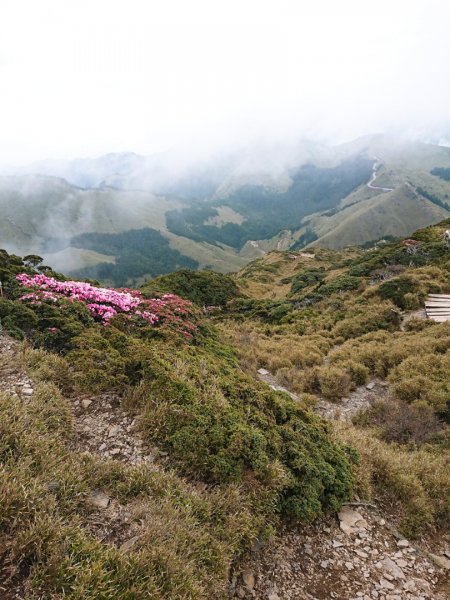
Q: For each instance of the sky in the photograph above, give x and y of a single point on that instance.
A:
(87, 77)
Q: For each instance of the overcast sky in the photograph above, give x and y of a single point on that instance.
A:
(86, 77)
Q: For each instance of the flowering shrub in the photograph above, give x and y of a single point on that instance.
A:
(104, 303)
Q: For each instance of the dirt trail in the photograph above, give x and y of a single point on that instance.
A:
(361, 398)
(356, 555)
(374, 176)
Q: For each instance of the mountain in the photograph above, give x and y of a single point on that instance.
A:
(222, 211)
(185, 439)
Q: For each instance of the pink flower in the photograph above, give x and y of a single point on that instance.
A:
(105, 303)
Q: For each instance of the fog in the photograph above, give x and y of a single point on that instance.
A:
(88, 77)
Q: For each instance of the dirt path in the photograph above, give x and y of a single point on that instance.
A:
(370, 185)
(361, 398)
(356, 555)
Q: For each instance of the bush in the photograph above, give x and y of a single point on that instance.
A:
(403, 423)
(219, 425)
(205, 288)
(334, 383)
(400, 291)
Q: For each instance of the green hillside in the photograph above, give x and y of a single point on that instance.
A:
(217, 459)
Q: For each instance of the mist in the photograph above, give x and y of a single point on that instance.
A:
(89, 78)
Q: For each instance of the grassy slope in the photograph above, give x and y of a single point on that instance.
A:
(240, 455)
(325, 342)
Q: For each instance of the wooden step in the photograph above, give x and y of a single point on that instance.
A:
(437, 304)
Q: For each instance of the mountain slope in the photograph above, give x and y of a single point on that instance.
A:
(225, 211)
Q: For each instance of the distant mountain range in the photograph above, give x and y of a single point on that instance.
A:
(123, 218)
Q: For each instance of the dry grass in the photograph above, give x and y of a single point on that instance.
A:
(415, 482)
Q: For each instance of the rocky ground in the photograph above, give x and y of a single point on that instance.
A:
(356, 556)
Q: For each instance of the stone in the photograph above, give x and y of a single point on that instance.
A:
(86, 403)
(249, 579)
(113, 430)
(27, 391)
(440, 561)
(390, 568)
(98, 499)
(337, 544)
(386, 585)
(401, 563)
(351, 520)
(370, 385)
(130, 543)
(273, 596)
(263, 372)
(417, 585)
(403, 543)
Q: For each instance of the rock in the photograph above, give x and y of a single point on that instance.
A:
(403, 543)
(86, 403)
(263, 372)
(337, 544)
(370, 385)
(386, 585)
(440, 561)
(401, 563)
(98, 499)
(130, 543)
(273, 597)
(27, 391)
(249, 579)
(113, 430)
(417, 585)
(390, 568)
(351, 520)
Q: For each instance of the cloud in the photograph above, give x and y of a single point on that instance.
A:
(88, 77)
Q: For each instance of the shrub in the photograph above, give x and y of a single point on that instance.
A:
(400, 291)
(335, 383)
(202, 287)
(403, 423)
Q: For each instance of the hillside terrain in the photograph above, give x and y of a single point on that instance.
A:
(123, 219)
(279, 433)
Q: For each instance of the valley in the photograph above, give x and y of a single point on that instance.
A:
(221, 215)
